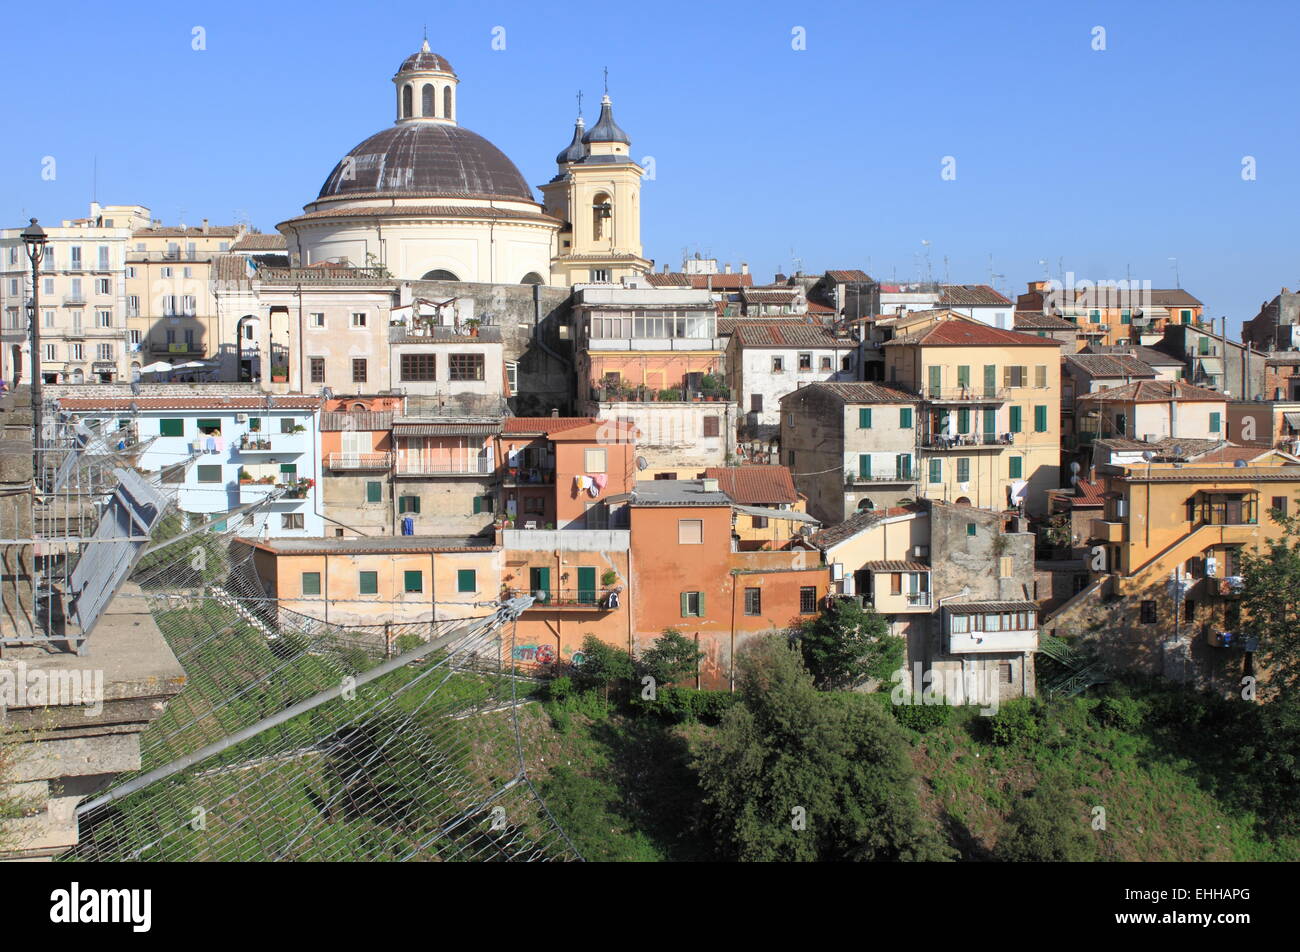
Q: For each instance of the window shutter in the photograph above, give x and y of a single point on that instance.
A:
(864, 418)
(1015, 419)
(1006, 376)
(478, 505)
(864, 465)
(702, 611)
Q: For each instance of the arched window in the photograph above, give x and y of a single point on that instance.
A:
(406, 101)
(532, 277)
(866, 505)
(427, 100)
(446, 103)
(601, 212)
(439, 275)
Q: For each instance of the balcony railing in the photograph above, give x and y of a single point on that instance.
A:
(964, 394)
(918, 599)
(965, 441)
(420, 466)
(1230, 587)
(528, 476)
(74, 300)
(594, 599)
(881, 476)
(360, 461)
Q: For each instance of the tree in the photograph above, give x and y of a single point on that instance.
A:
(847, 643)
(603, 664)
(1270, 595)
(795, 774)
(1049, 826)
(673, 657)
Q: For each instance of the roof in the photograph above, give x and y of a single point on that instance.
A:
(1088, 493)
(1038, 321)
(718, 282)
(787, 334)
(974, 608)
(769, 295)
(959, 333)
(378, 545)
(1164, 447)
(424, 58)
(268, 403)
(769, 513)
(859, 522)
(606, 129)
(229, 268)
(1109, 295)
(676, 492)
(423, 211)
(851, 275)
(755, 485)
(445, 429)
(859, 392)
(1110, 365)
(1154, 391)
(971, 294)
(429, 158)
(1220, 474)
(1148, 355)
(1230, 453)
(887, 566)
(530, 425)
(189, 231)
(260, 243)
(332, 420)
(815, 308)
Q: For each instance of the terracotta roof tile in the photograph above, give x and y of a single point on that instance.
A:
(1154, 391)
(860, 392)
(755, 485)
(282, 402)
(971, 294)
(787, 334)
(260, 243)
(1110, 365)
(964, 333)
(852, 274)
(522, 425)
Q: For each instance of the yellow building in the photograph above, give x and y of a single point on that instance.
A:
(989, 428)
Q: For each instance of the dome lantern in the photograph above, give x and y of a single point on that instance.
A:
(426, 88)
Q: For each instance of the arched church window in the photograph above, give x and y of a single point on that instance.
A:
(601, 212)
(446, 102)
(427, 100)
(532, 277)
(406, 101)
(439, 275)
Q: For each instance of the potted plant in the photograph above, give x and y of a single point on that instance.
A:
(472, 325)
(609, 578)
(243, 476)
(280, 373)
(298, 428)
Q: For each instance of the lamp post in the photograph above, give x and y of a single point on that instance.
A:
(34, 239)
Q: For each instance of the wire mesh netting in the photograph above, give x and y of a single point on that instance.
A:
(295, 739)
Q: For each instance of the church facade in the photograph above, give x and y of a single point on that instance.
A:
(428, 200)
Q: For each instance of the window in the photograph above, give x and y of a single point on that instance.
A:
(598, 275)
(1015, 467)
(465, 366)
(1148, 612)
(374, 492)
(904, 466)
(1189, 610)
(1279, 503)
(864, 418)
(864, 465)
(209, 474)
(51, 352)
(1186, 316)
(970, 529)
(778, 365)
(358, 319)
(1004, 672)
(755, 403)
(905, 418)
(103, 351)
(484, 504)
(317, 365)
(413, 581)
(1040, 419)
(419, 367)
(789, 458)
(292, 520)
(936, 471)
(826, 364)
(76, 259)
(807, 599)
(1006, 566)
(512, 375)
(1040, 377)
(78, 351)
(368, 583)
(1014, 376)
(692, 604)
(753, 601)
(758, 522)
(534, 504)
(1016, 424)
(317, 319)
(963, 469)
(690, 531)
(210, 427)
(963, 378)
(1216, 422)
(805, 361)
(358, 370)
(408, 503)
(311, 583)
(287, 424)
(102, 286)
(1126, 317)
(466, 580)
(593, 461)
(711, 426)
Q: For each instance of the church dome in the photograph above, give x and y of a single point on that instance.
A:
(427, 159)
(424, 58)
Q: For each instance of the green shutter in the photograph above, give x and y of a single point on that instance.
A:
(963, 420)
(936, 470)
(374, 492)
(1125, 317)
(171, 427)
(1015, 420)
(539, 580)
(963, 377)
(290, 469)
(1215, 422)
(1015, 467)
(208, 424)
(990, 424)
(311, 583)
(864, 465)
(369, 583)
(970, 528)
(478, 505)
(864, 418)
(905, 418)
(905, 465)
(963, 469)
(466, 580)
(703, 611)
(683, 606)
(587, 585)
(1040, 419)
(936, 379)
(413, 581)
(990, 380)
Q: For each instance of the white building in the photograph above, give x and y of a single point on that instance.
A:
(766, 360)
(220, 450)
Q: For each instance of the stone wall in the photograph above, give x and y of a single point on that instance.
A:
(16, 471)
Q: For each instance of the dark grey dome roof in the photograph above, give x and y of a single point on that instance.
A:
(425, 59)
(606, 129)
(575, 151)
(433, 158)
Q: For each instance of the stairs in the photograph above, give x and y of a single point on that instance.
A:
(1081, 671)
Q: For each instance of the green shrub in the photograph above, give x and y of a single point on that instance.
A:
(1122, 713)
(1015, 722)
(922, 717)
(557, 689)
(687, 705)
(1049, 826)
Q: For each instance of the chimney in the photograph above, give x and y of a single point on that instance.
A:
(205, 226)
(708, 485)
(665, 268)
(744, 267)
(555, 412)
(726, 268)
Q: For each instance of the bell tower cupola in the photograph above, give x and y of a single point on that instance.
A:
(426, 88)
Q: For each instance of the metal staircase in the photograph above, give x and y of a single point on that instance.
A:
(1081, 671)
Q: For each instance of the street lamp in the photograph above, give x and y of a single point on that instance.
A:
(34, 239)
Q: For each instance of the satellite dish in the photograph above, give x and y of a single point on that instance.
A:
(1148, 455)
(1238, 464)
(1178, 449)
(641, 462)
(1074, 467)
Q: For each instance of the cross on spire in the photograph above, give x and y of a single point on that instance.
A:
(579, 103)
(606, 80)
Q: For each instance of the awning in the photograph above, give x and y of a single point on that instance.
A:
(444, 429)
(775, 513)
(1292, 420)
(896, 567)
(975, 608)
(1211, 365)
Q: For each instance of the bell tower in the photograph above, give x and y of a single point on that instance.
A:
(426, 88)
(597, 194)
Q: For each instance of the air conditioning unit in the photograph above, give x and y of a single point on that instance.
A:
(921, 552)
(837, 571)
(241, 417)
(1149, 437)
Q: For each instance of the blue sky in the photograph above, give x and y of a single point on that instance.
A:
(1110, 162)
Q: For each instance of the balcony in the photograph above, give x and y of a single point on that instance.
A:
(287, 444)
(435, 466)
(968, 395)
(1103, 530)
(528, 476)
(74, 300)
(359, 461)
(1093, 330)
(879, 476)
(991, 628)
(577, 600)
(291, 493)
(966, 441)
(1230, 587)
